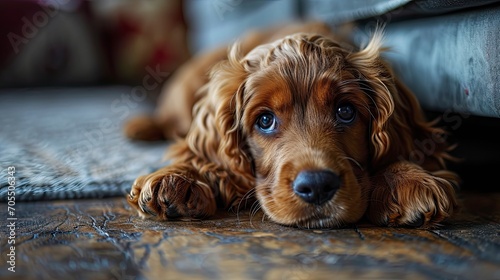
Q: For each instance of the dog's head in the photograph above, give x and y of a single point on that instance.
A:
(307, 121)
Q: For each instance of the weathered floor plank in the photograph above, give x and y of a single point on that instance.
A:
(104, 239)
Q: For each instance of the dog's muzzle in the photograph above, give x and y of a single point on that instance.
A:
(316, 186)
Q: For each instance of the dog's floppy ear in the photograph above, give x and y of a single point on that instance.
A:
(226, 90)
(215, 135)
(399, 130)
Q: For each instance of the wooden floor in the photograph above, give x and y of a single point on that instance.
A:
(104, 239)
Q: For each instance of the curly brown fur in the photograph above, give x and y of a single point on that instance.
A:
(323, 135)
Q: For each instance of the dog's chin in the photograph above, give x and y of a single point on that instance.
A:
(330, 215)
(314, 223)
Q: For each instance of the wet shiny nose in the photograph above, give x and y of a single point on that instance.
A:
(316, 187)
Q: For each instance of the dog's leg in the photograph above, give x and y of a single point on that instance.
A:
(404, 194)
(172, 192)
(189, 188)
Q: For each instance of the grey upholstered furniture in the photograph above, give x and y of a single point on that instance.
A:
(447, 51)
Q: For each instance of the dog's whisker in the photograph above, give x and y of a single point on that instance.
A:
(256, 207)
(245, 197)
(352, 160)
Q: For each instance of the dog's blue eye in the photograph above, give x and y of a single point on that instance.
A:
(266, 122)
(346, 113)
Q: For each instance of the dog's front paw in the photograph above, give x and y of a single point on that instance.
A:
(407, 195)
(172, 193)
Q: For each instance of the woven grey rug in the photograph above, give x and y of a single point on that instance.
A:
(67, 143)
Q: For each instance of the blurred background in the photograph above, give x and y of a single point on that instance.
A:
(77, 42)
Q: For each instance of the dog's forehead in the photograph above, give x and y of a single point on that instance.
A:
(295, 48)
(295, 71)
(269, 89)
(281, 92)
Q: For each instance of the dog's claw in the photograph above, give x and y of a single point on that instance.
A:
(172, 212)
(418, 222)
(147, 210)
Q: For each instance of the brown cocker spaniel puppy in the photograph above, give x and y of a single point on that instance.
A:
(320, 133)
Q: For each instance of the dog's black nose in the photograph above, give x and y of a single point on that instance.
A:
(316, 187)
